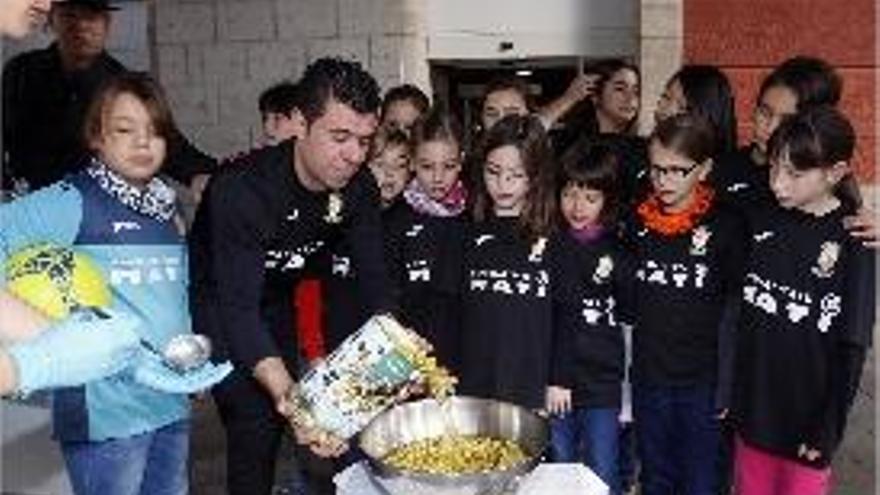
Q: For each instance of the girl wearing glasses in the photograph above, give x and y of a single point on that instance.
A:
(688, 255)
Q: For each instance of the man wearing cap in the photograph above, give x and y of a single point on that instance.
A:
(46, 93)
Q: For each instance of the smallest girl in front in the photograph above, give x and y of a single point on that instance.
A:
(507, 306)
(423, 236)
(589, 284)
(809, 304)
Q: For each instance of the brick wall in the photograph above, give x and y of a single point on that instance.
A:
(746, 42)
(756, 35)
(661, 41)
(215, 56)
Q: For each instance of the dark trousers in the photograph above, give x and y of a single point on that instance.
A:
(678, 438)
(253, 434)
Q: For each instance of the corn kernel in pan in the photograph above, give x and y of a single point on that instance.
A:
(457, 455)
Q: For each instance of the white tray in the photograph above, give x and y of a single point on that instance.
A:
(546, 479)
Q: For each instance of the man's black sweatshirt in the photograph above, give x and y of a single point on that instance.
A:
(253, 234)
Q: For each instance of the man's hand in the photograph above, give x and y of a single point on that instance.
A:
(271, 373)
(321, 442)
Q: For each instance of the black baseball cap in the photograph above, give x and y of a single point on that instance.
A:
(96, 5)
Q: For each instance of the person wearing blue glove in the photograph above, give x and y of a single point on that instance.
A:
(155, 372)
(77, 350)
(85, 347)
(128, 433)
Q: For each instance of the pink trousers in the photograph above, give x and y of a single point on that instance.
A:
(758, 472)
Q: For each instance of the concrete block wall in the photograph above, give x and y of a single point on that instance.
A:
(747, 46)
(661, 49)
(214, 57)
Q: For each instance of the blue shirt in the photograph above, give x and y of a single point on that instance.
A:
(144, 261)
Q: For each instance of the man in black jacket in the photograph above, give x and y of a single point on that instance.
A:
(262, 217)
(46, 94)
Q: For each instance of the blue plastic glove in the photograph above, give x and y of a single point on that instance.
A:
(151, 371)
(82, 348)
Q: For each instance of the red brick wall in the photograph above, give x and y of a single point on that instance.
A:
(746, 41)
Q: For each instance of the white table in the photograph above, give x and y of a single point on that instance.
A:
(546, 479)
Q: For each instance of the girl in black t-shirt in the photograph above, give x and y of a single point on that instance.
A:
(688, 253)
(807, 313)
(506, 300)
(423, 237)
(590, 281)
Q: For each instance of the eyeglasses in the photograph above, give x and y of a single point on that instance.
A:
(674, 171)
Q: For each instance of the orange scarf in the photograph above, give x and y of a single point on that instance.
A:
(670, 224)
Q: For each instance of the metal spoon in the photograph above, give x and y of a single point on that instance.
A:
(183, 352)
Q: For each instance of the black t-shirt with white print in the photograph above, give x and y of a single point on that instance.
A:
(592, 285)
(424, 255)
(686, 292)
(507, 314)
(344, 311)
(254, 231)
(807, 316)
